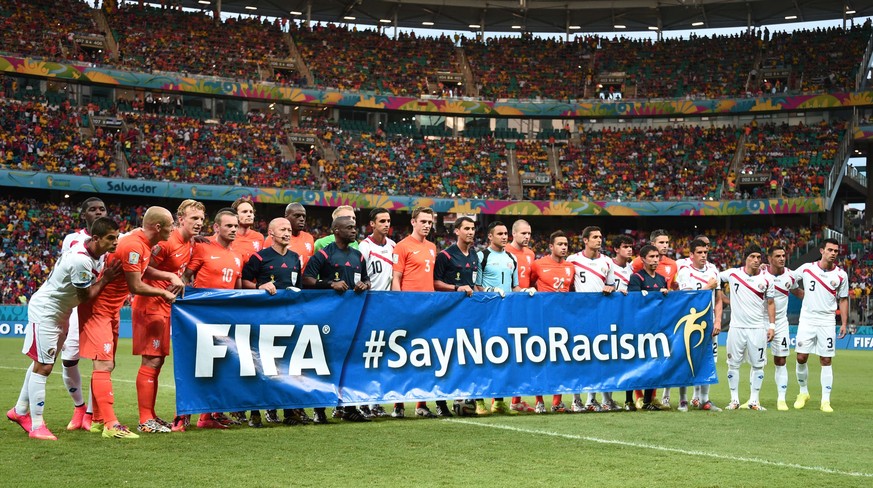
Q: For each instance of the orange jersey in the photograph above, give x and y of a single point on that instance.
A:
(216, 266)
(134, 251)
(550, 275)
(666, 268)
(525, 259)
(247, 244)
(171, 255)
(303, 245)
(416, 260)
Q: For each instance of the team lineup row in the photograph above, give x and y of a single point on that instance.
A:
(78, 307)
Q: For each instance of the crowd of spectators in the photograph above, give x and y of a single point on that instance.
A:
(230, 153)
(168, 39)
(352, 59)
(46, 28)
(796, 158)
(669, 163)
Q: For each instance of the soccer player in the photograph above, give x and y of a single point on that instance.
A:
(620, 272)
(498, 272)
(91, 209)
(301, 241)
(377, 249)
(456, 266)
(248, 241)
(341, 211)
(101, 316)
(666, 265)
(645, 281)
(339, 267)
(216, 265)
(72, 281)
(826, 289)
(752, 308)
(784, 282)
(151, 314)
(270, 269)
(520, 249)
(591, 268)
(414, 261)
(697, 274)
(550, 273)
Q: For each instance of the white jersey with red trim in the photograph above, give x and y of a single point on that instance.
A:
(591, 274)
(380, 266)
(54, 301)
(749, 295)
(822, 291)
(690, 278)
(782, 286)
(619, 276)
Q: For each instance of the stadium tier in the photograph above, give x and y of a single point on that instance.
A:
(144, 38)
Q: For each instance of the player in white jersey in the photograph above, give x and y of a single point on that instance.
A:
(71, 282)
(377, 249)
(784, 282)
(697, 274)
(752, 309)
(591, 270)
(620, 271)
(687, 261)
(826, 289)
(91, 209)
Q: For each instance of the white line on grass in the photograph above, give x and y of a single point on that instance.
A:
(819, 469)
(119, 380)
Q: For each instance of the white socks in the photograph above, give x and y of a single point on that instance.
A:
(36, 391)
(781, 382)
(23, 403)
(73, 383)
(827, 382)
(757, 379)
(734, 384)
(802, 374)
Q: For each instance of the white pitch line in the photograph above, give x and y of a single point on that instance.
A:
(119, 380)
(818, 469)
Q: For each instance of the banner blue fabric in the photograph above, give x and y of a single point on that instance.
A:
(239, 350)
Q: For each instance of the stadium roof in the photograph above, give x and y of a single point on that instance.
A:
(552, 16)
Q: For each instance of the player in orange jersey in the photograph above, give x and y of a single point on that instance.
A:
(151, 315)
(217, 265)
(301, 241)
(100, 317)
(248, 241)
(552, 273)
(414, 262)
(520, 249)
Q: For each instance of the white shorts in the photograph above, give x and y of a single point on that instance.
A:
(820, 341)
(747, 344)
(41, 342)
(780, 346)
(70, 349)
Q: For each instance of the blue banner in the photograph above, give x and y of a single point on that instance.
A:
(243, 349)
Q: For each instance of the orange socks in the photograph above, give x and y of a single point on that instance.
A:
(101, 385)
(146, 392)
(556, 399)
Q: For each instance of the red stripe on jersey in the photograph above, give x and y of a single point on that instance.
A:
(622, 278)
(756, 292)
(698, 278)
(33, 351)
(780, 290)
(829, 289)
(379, 256)
(595, 273)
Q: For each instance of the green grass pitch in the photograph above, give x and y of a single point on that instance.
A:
(740, 448)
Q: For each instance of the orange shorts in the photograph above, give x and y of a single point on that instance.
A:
(151, 334)
(98, 337)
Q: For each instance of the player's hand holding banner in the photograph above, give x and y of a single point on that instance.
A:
(240, 350)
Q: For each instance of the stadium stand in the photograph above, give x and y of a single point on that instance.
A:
(45, 28)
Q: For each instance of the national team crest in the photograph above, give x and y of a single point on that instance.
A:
(308, 246)
(107, 347)
(431, 253)
(156, 343)
(236, 260)
(567, 271)
(668, 268)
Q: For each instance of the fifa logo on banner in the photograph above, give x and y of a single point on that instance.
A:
(689, 326)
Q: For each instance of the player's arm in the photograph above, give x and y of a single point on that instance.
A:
(395, 280)
(716, 314)
(364, 284)
(771, 316)
(176, 283)
(844, 316)
(138, 287)
(86, 293)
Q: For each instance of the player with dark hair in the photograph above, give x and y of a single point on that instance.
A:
(248, 241)
(414, 261)
(645, 281)
(72, 281)
(620, 272)
(752, 308)
(341, 268)
(826, 290)
(151, 315)
(100, 318)
(377, 249)
(90, 210)
(785, 281)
